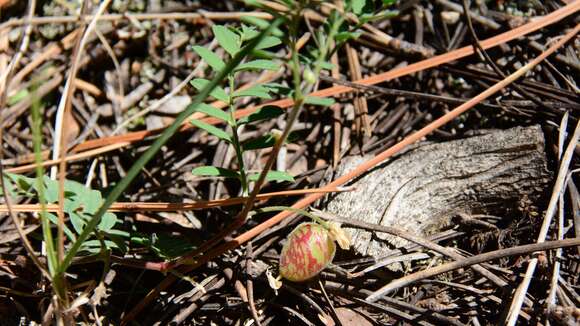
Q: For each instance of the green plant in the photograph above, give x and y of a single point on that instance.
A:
(303, 67)
(80, 204)
(116, 192)
(232, 40)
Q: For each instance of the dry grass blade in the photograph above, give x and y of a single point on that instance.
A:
(551, 299)
(168, 207)
(70, 158)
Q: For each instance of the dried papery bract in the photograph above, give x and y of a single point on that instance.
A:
(339, 235)
(274, 282)
(307, 251)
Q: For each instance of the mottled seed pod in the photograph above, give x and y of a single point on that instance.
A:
(307, 251)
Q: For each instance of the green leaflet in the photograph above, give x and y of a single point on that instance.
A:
(263, 113)
(227, 39)
(213, 112)
(212, 130)
(278, 176)
(214, 171)
(218, 92)
(211, 58)
(255, 91)
(259, 64)
(322, 101)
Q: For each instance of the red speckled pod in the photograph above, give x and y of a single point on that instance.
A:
(308, 250)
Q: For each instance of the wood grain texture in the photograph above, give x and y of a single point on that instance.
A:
(421, 189)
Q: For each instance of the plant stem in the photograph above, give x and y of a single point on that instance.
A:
(298, 102)
(239, 154)
(37, 146)
(298, 97)
(236, 138)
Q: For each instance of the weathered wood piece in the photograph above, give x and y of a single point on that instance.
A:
(421, 189)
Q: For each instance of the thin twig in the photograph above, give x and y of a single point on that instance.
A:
(403, 93)
(522, 289)
(194, 16)
(175, 207)
(250, 284)
(360, 101)
(478, 259)
(70, 158)
(113, 56)
(329, 302)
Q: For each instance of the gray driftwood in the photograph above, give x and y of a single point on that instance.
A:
(421, 189)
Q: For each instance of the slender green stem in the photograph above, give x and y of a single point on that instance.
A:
(239, 154)
(58, 282)
(44, 221)
(298, 102)
(236, 139)
(159, 142)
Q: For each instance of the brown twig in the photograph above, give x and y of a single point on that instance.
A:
(70, 158)
(250, 284)
(403, 93)
(194, 16)
(170, 207)
(360, 102)
(478, 259)
(329, 302)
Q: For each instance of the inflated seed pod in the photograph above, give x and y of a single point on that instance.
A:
(308, 250)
